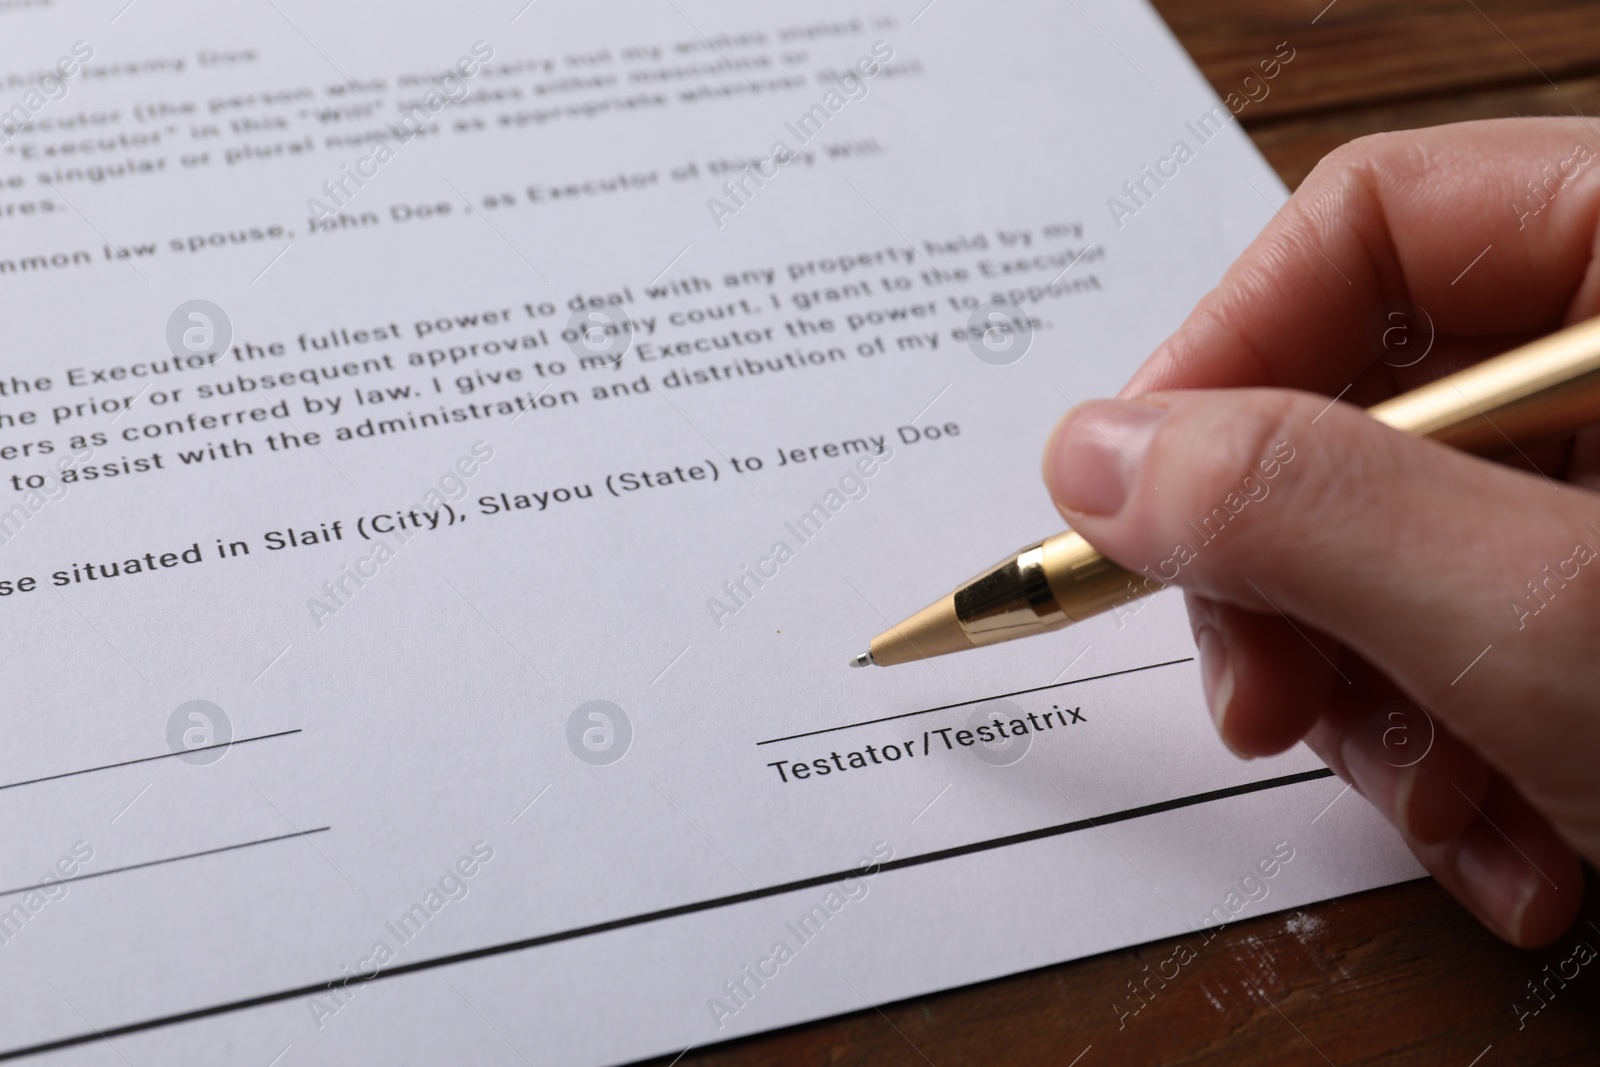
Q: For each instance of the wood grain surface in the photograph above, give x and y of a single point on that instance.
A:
(1396, 976)
(1360, 53)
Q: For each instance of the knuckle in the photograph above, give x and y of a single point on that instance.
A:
(1245, 482)
(1354, 161)
(1225, 443)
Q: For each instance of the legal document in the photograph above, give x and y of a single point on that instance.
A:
(733, 331)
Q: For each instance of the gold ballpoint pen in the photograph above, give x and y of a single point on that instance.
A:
(1538, 391)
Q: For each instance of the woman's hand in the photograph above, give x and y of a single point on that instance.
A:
(1428, 622)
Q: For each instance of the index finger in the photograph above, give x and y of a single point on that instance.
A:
(1489, 227)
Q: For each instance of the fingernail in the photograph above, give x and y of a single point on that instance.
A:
(1381, 756)
(1095, 454)
(1499, 877)
(1216, 675)
(1371, 776)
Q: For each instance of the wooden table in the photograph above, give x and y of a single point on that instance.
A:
(1400, 975)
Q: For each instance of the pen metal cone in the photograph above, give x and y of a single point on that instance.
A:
(933, 631)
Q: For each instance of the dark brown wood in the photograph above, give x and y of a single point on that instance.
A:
(1294, 145)
(1372, 51)
(1396, 976)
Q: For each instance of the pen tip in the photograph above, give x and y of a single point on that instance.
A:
(863, 660)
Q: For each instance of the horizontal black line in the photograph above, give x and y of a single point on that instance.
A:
(147, 759)
(663, 913)
(979, 700)
(158, 863)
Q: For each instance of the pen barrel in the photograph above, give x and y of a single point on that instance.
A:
(1541, 390)
(1044, 587)
(1084, 582)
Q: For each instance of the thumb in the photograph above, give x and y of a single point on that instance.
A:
(1466, 582)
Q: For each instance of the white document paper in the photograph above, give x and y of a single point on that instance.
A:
(431, 645)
